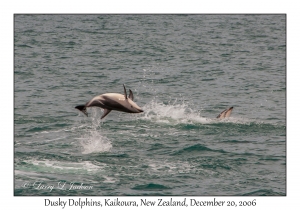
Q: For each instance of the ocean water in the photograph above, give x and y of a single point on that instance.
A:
(183, 70)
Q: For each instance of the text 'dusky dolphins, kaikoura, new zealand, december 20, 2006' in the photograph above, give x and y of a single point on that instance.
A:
(112, 101)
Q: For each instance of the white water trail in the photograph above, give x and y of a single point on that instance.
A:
(171, 113)
(181, 113)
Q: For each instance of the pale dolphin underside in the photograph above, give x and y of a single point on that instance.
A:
(112, 101)
(226, 113)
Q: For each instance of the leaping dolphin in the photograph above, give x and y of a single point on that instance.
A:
(112, 101)
(225, 113)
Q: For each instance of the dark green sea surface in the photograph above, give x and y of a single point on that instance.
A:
(183, 70)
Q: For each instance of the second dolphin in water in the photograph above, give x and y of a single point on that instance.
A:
(226, 113)
(112, 101)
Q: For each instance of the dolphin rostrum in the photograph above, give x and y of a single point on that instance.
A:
(225, 113)
(112, 101)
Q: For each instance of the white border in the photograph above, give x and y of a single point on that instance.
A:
(8, 8)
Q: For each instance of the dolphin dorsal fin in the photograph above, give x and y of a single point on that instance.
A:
(125, 93)
(130, 95)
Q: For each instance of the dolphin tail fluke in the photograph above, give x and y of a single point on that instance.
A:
(82, 108)
(225, 113)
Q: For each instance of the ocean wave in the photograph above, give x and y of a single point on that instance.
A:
(264, 192)
(196, 148)
(151, 186)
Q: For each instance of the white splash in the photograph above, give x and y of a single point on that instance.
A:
(94, 142)
(171, 113)
(178, 113)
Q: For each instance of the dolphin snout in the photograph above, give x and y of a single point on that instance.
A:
(140, 110)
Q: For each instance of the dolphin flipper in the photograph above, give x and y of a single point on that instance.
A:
(106, 112)
(225, 113)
